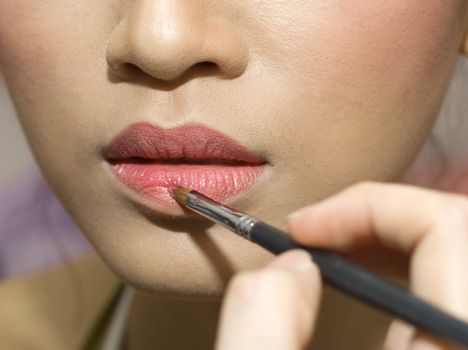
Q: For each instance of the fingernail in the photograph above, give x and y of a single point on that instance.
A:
(297, 259)
(308, 210)
(295, 215)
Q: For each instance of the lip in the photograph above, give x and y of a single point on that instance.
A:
(151, 160)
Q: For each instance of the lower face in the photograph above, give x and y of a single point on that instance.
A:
(332, 94)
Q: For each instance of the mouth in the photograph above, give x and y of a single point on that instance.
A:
(151, 161)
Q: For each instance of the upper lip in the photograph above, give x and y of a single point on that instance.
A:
(190, 143)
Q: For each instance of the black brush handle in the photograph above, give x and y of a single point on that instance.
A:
(366, 286)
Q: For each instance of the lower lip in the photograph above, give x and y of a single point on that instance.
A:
(218, 181)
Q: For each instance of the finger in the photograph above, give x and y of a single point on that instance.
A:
(430, 225)
(402, 217)
(271, 308)
(396, 215)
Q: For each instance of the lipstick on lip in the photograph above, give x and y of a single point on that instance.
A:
(151, 160)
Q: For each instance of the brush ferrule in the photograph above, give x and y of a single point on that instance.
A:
(244, 225)
(230, 218)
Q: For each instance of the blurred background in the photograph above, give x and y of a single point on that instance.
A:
(12, 140)
(34, 226)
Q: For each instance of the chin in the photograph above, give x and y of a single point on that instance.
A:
(198, 266)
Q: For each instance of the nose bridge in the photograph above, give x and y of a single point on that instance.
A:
(164, 38)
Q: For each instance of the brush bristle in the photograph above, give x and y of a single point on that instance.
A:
(180, 194)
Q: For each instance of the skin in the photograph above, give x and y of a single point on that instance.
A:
(341, 92)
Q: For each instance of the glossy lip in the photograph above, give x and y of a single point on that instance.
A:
(150, 160)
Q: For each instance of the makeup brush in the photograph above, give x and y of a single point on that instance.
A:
(336, 270)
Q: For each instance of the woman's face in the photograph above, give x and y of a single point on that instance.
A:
(327, 93)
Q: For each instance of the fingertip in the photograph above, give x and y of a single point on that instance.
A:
(330, 224)
(294, 216)
(295, 220)
(304, 226)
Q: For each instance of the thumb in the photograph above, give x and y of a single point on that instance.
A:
(271, 308)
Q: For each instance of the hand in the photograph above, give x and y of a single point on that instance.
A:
(274, 307)
(424, 231)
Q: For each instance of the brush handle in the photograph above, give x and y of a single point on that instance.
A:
(366, 286)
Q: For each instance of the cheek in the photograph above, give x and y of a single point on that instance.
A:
(29, 38)
(52, 54)
(368, 44)
(363, 82)
(397, 43)
(45, 45)
(288, 28)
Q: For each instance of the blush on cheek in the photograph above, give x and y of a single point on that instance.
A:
(397, 37)
(47, 47)
(391, 52)
(39, 36)
(27, 40)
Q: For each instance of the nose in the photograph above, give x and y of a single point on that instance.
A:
(167, 38)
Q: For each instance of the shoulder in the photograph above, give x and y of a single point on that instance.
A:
(57, 308)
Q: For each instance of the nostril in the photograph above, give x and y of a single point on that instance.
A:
(125, 71)
(131, 70)
(206, 63)
(206, 66)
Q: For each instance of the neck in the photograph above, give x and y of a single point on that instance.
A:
(158, 322)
